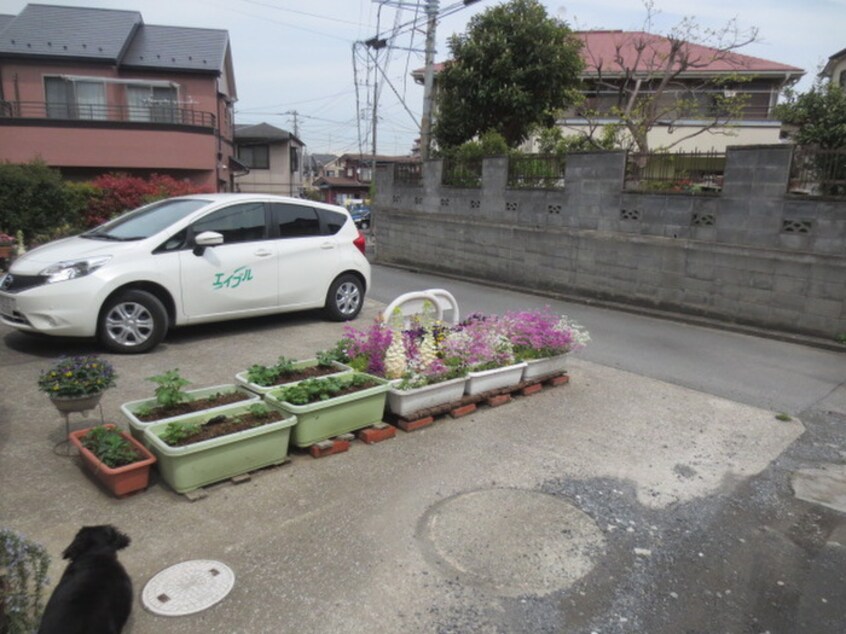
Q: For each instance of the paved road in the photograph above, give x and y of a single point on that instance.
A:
(766, 373)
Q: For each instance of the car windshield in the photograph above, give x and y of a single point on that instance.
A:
(146, 221)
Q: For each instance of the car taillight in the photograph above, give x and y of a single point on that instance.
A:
(361, 243)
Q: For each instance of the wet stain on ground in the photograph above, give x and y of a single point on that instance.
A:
(752, 559)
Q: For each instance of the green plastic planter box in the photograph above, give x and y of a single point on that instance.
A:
(137, 426)
(241, 377)
(326, 419)
(192, 466)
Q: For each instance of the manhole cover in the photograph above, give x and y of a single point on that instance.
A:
(513, 542)
(189, 587)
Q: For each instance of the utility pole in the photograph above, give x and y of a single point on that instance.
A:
(428, 80)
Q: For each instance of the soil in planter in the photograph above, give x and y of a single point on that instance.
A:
(189, 407)
(222, 425)
(311, 372)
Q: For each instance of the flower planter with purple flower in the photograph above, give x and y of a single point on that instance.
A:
(494, 379)
(404, 402)
(536, 368)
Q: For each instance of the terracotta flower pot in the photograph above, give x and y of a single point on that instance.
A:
(119, 480)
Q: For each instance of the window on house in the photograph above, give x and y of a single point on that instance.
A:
(75, 99)
(843, 78)
(255, 156)
(330, 172)
(152, 103)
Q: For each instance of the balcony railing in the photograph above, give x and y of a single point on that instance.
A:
(686, 172)
(817, 172)
(161, 114)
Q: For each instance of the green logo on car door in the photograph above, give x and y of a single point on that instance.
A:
(239, 276)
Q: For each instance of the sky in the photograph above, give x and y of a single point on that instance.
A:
(297, 56)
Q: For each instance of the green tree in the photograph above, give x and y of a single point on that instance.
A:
(511, 69)
(35, 200)
(819, 115)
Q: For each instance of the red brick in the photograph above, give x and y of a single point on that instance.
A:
(376, 434)
(499, 399)
(531, 389)
(560, 380)
(464, 410)
(338, 446)
(411, 425)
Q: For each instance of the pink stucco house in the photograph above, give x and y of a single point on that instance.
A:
(95, 90)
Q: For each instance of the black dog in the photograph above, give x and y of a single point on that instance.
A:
(94, 595)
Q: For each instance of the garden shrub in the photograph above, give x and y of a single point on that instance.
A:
(35, 200)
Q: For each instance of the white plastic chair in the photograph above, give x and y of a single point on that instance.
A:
(410, 304)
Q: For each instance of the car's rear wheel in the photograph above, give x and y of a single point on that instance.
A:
(345, 298)
(132, 322)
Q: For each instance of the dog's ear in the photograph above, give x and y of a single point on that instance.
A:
(118, 540)
(81, 543)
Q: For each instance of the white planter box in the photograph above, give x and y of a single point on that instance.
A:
(137, 426)
(486, 380)
(405, 402)
(541, 367)
(241, 377)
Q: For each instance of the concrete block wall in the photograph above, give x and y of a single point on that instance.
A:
(752, 254)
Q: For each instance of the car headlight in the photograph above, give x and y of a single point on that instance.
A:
(71, 269)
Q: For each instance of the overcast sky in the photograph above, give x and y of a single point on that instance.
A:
(297, 55)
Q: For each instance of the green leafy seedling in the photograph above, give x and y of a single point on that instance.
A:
(169, 391)
(783, 417)
(110, 447)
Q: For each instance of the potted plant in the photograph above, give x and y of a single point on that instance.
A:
(171, 402)
(76, 384)
(331, 406)
(425, 379)
(262, 379)
(543, 340)
(480, 345)
(115, 458)
(23, 581)
(203, 449)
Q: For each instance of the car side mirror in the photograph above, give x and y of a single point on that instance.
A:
(206, 239)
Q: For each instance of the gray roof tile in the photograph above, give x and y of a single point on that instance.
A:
(178, 48)
(119, 37)
(46, 30)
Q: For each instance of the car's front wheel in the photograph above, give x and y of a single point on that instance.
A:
(132, 322)
(345, 298)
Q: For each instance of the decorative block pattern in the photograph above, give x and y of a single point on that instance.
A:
(511, 206)
(630, 214)
(475, 204)
(703, 220)
(444, 202)
(789, 225)
(554, 209)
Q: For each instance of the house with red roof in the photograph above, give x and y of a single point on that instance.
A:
(97, 90)
(692, 83)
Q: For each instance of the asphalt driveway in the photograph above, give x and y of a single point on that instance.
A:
(616, 503)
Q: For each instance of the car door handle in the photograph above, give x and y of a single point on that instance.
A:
(263, 253)
(327, 245)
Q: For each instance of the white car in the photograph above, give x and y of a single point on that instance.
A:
(189, 260)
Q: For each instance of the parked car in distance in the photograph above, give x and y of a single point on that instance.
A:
(361, 216)
(189, 260)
